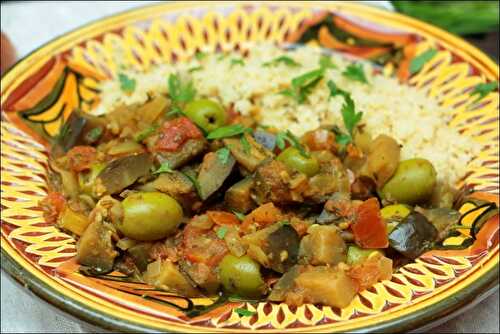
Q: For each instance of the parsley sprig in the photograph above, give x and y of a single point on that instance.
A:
(227, 131)
(419, 61)
(180, 93)
(282, 60)
(127, 85)
(355, 72)
(302, 85)
(286, 136)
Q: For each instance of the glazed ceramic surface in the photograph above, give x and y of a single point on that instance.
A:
(41, 91)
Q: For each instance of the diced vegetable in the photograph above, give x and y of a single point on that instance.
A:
(271, 183)
(53, 205)
(394, 214)
(174, 133)
(412, 183)
(241, 276)
(413, 236)
(150, 216)
(324, 285)
(373, 269)
(179, 187)
(140, 254)
(262, 216)
(213, 172)
(442, 218)
(238, 196)
(282, 248)
(80, 158)
(223, 218)
(369, 228)
(73, 221)
(323, 245)
(126, 147)
(86, 180)
(249, 159)
(266, 139)
(95, 248)
(383, 159)
(356, 255)
(165, 275)
(190, 150)
(285, 284)
(121, 173)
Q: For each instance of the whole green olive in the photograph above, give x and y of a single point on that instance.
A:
(241, 275)
(206, 113)
(295, 160)
(149, 216)
(412, 183)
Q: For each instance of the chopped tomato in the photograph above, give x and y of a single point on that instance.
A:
(202, 246)
(223, 218)
(320, 139)
(81, 157)
(52, 205)
(175, 133)
(369, 228)
(264, 215)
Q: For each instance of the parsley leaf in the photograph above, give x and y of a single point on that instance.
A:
(484, 89)
(284, 222)
(179, 92)
(287, 136)
(325, 62)
(227, 131)
(237, 62)
(334, 90)
(194, 181)
(145, 133)
(200, 55)
(239, 215)
(93, 135)
(164, 168)
(343, 139)
(127, 84)
(282, 59)
(221, 232)
(418, 62)
(245, 144)
(349, 115)
(355, 72)
(194, 69)
(303, 85)
(280, 140)
(244, 312)
(223, 155)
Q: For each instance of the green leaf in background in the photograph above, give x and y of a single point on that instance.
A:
(127, 84)
(458, 17)
(355, 72)
(484, 89)
(282, 59)
(419, 61)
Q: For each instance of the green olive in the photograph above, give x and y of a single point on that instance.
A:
(412, 183)
(295, 160)
(241, 275)
(206, 113)
(149, 216)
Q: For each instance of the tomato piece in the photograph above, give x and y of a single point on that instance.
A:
(223, 218)
(175, 133)
(52, 205)
(202, 246)
(376, 268)
(369, 228)
(80, 158)
(320, 139)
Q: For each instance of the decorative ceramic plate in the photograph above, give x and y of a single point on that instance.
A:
(40, 92)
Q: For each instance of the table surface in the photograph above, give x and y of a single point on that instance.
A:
(20, 311)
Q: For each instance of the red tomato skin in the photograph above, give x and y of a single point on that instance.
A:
(175, 133)
(369, 228)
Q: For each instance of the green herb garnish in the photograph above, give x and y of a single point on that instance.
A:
(237, 62)
(334, 90)
(200, 55)
(325, 62)
(245, 144)
(239, 215)
(244, 312)
(221, 232)
(223, 155)
(194, 181)
(418, 62)
(284, 222)
(164, 168)
(194, 69)
(227, 131)
(145, 133)
(127, 84)
(282, 59)
(94, 134)
(349, 115)
(180, 93)
(483, 89)
(355, 72)
(343, 139)
(287, 136)
(303, 85)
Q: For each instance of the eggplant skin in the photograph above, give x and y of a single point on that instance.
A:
(413, 236)
(123, 172)
(283, 248)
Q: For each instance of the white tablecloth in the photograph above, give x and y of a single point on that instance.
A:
(29, 25)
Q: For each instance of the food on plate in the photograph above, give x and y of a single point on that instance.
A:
(292, 176)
